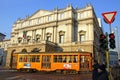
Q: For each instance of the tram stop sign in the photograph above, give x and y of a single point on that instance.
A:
(109, 16)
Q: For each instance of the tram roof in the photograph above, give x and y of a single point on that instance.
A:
(49, 52)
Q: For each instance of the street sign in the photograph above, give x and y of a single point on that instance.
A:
(109, 16)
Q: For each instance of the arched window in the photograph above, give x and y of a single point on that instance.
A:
(48, 36)
(38, 37)
(19, 39)
(28, 38)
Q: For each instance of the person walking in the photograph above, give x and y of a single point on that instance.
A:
(102, 73)
(95, 70)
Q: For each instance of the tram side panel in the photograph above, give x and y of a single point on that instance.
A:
(28, 62)
(65, 62)
(51, 62)
(85, 62)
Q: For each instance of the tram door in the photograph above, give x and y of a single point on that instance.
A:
(84, 63)
(14, 61)
(46, 62)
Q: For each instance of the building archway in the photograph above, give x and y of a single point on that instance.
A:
(11, 59)
(35, 50)
(24, 51)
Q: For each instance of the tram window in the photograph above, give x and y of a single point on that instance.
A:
(64, 58)
(75, 59)
(55, 58)
(59, 58)
(21, 59)
(25, 58)
(38, 58)
(48, 58)
(33, 58)
(29, 58)
(70, 59)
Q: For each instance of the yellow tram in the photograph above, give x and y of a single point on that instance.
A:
(62, 61)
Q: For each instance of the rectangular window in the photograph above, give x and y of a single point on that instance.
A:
(60, 58)
(75, 59)
(39, 21)
(55, 58)
(62, 15)
(64, 59)
(49, 18)
(82, 38)
(69, 59)
(48, 38)
(33, 58)
(31, 22)
(82, 15)
(61, 39)
(38, 58)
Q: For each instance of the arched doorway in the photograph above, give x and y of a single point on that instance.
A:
(11, 59)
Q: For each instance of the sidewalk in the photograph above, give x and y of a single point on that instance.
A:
(2, 67)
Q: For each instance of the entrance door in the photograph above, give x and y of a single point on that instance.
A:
(84, 63)
(46, 62)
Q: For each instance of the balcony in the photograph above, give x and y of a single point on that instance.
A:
(33, 42)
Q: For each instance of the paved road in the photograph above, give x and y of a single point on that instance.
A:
(14, 75)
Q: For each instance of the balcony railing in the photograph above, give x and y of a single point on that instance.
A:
(32, 43)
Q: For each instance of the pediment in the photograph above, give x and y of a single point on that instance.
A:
(40, 13)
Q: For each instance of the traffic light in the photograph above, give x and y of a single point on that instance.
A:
(103, 42)
(112, 41)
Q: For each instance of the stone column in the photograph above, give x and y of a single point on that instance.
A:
(69, 33)
(53, 35)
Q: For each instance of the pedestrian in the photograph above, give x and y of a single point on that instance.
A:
(102, 73)
(95, 70)
(104, 64)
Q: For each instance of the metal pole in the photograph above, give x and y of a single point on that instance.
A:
(110, 28)
(108, 56)
(107, 53)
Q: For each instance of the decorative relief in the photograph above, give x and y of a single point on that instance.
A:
(61, 32)
(38, 36)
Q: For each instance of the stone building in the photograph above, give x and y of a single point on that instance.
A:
(2, 50)
(5, 44)
(2, 36)
(59, 30)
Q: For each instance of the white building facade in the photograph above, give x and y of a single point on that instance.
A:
(60, 30)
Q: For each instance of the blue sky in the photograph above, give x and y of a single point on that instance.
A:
(11, 10)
